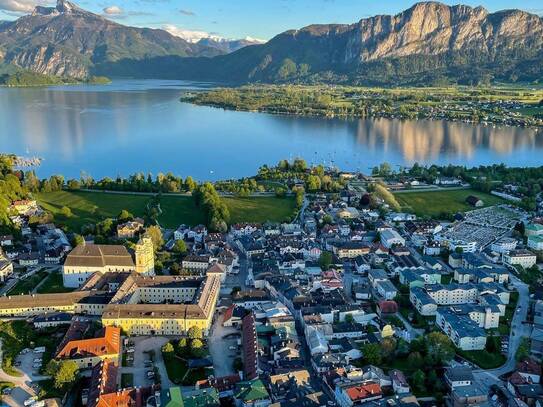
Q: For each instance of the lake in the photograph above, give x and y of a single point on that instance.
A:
(140, 125)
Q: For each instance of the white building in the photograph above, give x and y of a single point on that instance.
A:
(523, 258)
(535, 242)
(390, 237)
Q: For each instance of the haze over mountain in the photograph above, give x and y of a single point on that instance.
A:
(430, 42)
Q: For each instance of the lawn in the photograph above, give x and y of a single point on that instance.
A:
(483, 358)
(53, 284)
(438, 203)
(93, 207)
(176, 368)
(261, 209)
(27, 285)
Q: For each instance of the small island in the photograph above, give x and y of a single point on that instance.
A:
(512, 105)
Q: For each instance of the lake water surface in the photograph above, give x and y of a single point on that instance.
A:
(132, 126)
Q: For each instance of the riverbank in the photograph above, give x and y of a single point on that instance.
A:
(510, 106)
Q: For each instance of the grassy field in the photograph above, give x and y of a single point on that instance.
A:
(53, 284)
(28, 284)
(92, 207)
(436, 203)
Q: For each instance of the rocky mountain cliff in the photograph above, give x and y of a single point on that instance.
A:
(429, 41)
(68, 41)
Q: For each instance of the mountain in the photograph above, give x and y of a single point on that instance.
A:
(68, 41)
(428, 42)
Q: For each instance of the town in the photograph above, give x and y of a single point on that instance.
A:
(412, 288)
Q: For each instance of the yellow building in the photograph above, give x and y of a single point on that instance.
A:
(87, 259)
(145, 256)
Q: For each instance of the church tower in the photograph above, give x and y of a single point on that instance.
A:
(145, 257)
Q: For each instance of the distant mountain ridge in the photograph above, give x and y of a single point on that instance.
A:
(68, 41)
(425, 44)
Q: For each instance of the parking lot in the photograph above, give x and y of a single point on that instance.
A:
(25, 385)
(223, 347)
(145, 348)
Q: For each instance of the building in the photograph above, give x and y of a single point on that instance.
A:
(464, 332)
(87, 353)
(399, 382)
(6, 269)
(163, 305)
(474, 201)
(87, 259)
(535, 242)
(130, 229)
(249, 342)
(533, 229)
(352, 394)
(523, 258)
(390, 237)
(458, 376)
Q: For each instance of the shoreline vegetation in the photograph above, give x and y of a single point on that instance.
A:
(494, 105)
(27, 79)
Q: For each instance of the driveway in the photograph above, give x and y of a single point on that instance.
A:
(142, 345)
(223, 358)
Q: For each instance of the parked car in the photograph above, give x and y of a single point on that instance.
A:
(29, 401)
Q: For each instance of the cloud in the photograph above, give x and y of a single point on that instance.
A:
(117, 13)
(187, 12)
(113, 10)
(19, 6)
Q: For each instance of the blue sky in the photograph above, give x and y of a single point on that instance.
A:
(240, 18)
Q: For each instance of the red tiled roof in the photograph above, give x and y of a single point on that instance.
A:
(359, 393)
(529, 366)
(109, 344)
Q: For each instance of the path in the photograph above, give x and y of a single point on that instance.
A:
(413, 332)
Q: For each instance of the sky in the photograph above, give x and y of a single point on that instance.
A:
(261, 19)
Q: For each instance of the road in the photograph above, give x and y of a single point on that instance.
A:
(518, 331)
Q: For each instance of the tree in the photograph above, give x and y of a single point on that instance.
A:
(523, 350)
(195, 333)
(415, 360)
(77, 240)
(372, 353)
(190, 184)
(180, 247)
(124, 216)
(168, 349)
(66, 212)
(313, 183)
(197, 348)
(388, 346)
(155, 233)
(325, 260)
(440, 348)
(418, 380)
(66, 374)
(349, 319)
